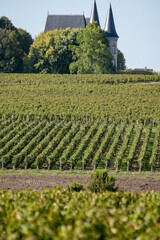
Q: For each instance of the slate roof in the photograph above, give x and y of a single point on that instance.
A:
(110, 26)
(94, 14)
(64, 21)
(87, 21)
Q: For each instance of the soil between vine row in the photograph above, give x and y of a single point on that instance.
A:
(38, 183)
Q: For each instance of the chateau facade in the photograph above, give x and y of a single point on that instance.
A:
(80, 21)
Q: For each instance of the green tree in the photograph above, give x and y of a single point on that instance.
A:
(25, 40)
(5, 23)
(14, 47)
(11, 53)
(121, 62)
(91, 55)
(50, 52)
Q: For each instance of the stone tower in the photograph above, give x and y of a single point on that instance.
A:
(112, 35)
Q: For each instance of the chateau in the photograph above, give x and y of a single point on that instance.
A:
(80, 21)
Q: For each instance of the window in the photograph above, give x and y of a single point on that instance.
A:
(113, 50)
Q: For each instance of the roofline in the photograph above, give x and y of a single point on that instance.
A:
(67, 15)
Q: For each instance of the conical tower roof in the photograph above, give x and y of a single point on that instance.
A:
(94, 14)
(110, 26)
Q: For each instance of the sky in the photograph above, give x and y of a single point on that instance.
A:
(137, 23)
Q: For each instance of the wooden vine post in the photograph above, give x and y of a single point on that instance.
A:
(49, 164)
(60, 164)
(26, 165)
(2, 163)
(140, 166)
(83, 164)
(71, 164)
(94, 165)
(127, 166)
(37, 165)
(117, 166)
(106, 167)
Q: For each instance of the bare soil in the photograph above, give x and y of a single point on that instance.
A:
(149, 83)
(38, 183)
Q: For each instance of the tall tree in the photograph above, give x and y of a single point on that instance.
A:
(14, 47)
(121, 62)
(92, 55)
(50, 52)
(11, 53)
(25, 40)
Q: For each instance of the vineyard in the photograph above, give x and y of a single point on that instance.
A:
(63, 215)
(80, 122)
(62, 144)
(105, 97)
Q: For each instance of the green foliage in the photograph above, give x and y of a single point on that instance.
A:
(91, 55)
(121, 152)
(62, 214)
(25, 40)
(5, 23)
(57, 144)
(11, 54)
(81, 96)
(25, 63)
(76, 187)
(121, 62)
(101, 181)
(14, 47)
(155, 149)
(50, 52)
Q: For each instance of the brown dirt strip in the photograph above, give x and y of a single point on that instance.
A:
(148, 83)
(39, 183)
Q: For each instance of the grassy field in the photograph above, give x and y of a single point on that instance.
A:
(76, 173)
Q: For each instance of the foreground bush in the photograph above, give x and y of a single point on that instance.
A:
(62, 214)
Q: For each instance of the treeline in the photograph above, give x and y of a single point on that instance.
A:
(59, 52)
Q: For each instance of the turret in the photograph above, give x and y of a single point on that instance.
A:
(94, 14)
(112, 35)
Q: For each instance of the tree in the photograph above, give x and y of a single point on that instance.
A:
(5, 23)
(50, 52)
(11, 53)
(91, 55)
(25, 40)
(121, 62)
(14, 47)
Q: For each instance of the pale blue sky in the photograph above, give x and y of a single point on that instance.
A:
(137, 23)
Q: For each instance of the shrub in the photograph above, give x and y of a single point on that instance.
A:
(76, 187)
(101, 181)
